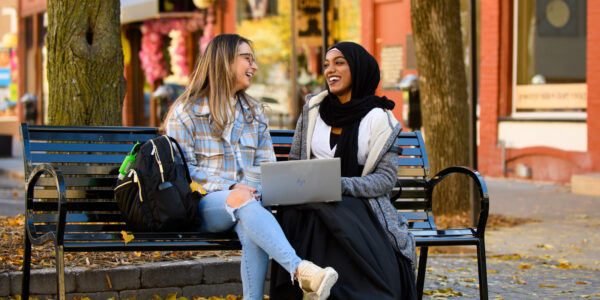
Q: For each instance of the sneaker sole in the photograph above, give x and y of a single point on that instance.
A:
(329, 279)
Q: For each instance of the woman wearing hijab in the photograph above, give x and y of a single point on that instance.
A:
(362, 237)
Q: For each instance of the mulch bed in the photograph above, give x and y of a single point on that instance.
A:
(11, 247)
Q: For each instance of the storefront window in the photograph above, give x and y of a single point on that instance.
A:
(550, 56)
(267, 24)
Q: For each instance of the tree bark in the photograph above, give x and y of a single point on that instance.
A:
(444, 99)
(85, 63)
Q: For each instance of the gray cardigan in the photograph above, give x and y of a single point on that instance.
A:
(379, 173)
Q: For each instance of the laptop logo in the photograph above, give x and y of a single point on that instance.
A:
(300, 182)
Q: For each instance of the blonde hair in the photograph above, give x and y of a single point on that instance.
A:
(214, 79)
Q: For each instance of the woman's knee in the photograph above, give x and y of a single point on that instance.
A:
(237, 197)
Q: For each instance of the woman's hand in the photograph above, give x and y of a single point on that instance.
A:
(242, 186)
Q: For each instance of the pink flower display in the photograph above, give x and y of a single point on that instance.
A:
(151, 54)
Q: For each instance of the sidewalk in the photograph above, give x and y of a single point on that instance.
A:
(555, 258)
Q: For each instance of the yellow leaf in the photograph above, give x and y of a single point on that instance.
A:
(492, 271)
(524, 266)
(548, 285)
(157, 297)
(127, 237)
(564, 265)
(581, 282)
(171, 297)
(545, 246)
(137, 253)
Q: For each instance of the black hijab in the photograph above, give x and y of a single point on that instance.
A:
(365, 79)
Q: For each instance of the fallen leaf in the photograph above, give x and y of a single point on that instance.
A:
(564, 265)
(524, 266)
(126, 237)
(548, 285)
(519, 281)
(171, 297)
(581, 282)
(545, 246)
(492, 271)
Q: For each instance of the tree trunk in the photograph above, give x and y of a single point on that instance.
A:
(444, 99)
(85, 62)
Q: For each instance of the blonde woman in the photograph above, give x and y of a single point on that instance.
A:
(224, 134)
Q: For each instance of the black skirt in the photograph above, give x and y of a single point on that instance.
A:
(346, 236)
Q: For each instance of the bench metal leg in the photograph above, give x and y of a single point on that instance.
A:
(421, 271)
(60, 272)
(481, 266)
(26, 268)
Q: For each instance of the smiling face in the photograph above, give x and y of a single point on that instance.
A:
(338, 75)
(244, 67)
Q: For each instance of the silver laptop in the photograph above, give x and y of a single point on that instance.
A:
(301, 181)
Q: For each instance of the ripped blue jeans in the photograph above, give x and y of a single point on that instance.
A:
(260, 236)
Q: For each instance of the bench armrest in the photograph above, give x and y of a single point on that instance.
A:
(61, 190)
(479, 184)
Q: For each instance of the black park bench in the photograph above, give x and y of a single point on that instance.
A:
(71, 172)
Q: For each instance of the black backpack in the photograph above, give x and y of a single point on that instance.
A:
(155, 195)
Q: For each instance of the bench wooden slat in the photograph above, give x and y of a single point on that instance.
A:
(410, 161)
(87, 169)
(412, 183)
(412, 194)
(404, 141)
(415, 215)
(411, 172)
(78, 158)
(76, 194)
(79, 228)
(419, 226)
(410, 205)
(81, 181)
(411, 152)
(80, 147)
(71, 205)
(91, 136)
(80, 218)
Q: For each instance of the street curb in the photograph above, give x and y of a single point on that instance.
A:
(211, 276)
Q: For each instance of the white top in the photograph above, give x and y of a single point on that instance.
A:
(320, 139)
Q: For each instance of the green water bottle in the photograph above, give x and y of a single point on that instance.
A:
(128, 162)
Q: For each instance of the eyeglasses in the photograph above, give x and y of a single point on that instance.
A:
(249, 57)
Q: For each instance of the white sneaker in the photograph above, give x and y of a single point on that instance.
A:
(316, 282)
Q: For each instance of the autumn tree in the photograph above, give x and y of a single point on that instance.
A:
(85, 62)
(444, 99)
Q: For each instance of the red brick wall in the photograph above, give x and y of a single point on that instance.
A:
(489, 155)
(593, 83)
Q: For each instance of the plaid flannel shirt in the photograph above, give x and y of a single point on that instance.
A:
(219, 162)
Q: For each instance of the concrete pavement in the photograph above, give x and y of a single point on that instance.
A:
(557, 257)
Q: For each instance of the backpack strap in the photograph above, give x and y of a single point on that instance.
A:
(187, 170)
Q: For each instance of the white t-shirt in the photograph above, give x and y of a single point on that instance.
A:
(320, 140)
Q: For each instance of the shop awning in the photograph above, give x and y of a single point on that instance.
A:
(138, 10)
